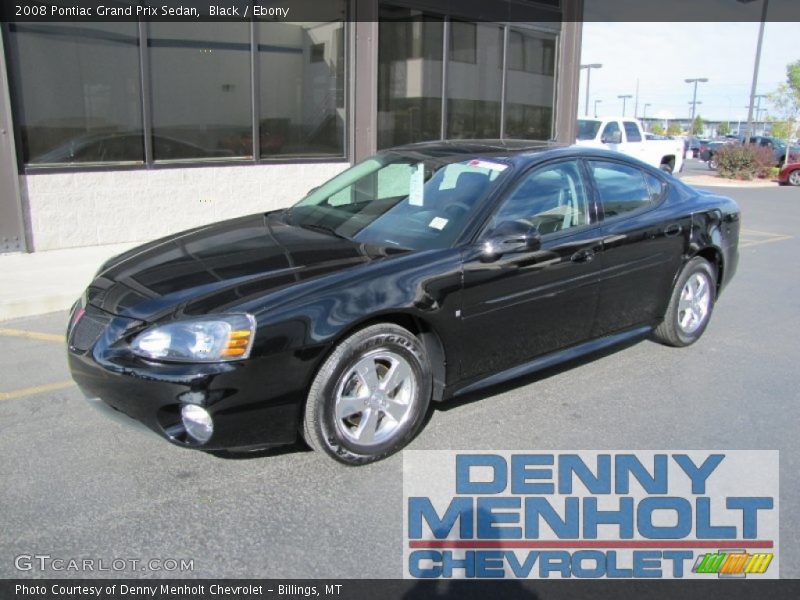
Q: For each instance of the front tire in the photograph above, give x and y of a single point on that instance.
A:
(370, 397)
(794, 178)
(690, 305)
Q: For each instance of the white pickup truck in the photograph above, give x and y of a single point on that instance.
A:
(626, 136)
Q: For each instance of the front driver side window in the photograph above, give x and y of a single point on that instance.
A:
(551, 199)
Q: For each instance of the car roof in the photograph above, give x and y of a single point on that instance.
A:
(520, 152)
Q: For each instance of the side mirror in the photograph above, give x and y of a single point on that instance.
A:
(510, 237)
(612, 138)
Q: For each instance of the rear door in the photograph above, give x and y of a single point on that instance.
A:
(643, 244)
(528, 303)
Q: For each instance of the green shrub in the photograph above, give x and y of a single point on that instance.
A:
(735, 161)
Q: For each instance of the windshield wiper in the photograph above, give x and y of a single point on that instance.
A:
(323, 229)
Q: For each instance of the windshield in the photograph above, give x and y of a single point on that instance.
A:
(407, 201)
(587, 130)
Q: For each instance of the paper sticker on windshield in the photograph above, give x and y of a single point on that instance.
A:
(487, 164)
(438, 223)
(416, 192)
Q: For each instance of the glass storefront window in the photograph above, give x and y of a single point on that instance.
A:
(530, 85)
(302, 76)
(76, 92)
(200, 81)
(474, 88)
(409, 76)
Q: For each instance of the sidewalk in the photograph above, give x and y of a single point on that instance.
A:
(42, 282)
(714, 181)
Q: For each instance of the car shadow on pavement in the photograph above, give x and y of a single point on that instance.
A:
(296, 448)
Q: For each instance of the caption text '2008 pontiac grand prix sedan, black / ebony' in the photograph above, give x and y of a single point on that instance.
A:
(422, 273)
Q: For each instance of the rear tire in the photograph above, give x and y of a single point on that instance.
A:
(690, 305)
(666, 167)
(794, 178)
(370, 397)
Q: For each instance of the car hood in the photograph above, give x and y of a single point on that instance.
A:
(217, 267)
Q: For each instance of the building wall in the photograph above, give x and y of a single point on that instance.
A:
(88, 208)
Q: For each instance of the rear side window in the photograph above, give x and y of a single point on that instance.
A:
(632, 132)
(622, 189)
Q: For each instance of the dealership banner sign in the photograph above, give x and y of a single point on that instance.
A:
(591, 514)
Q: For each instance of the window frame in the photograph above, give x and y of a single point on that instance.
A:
(651, 205)
(513, 184)
(145, 95)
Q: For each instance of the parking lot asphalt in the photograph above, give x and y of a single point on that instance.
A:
(76, 485)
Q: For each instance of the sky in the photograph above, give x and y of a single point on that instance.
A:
(662, 55)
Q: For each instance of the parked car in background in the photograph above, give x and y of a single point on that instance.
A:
(697, 145)
(422, 273)
(778, 148)
(627, 136)
(790, 174)
(709, 150)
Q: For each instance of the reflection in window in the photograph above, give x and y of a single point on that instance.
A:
(75, 87)
(530, 85)
(409, 77)
(302, 109)
(463, 42)
(200, 77)
(474, 88)
(621, 188)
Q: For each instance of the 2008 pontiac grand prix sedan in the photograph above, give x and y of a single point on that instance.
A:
(424, 272)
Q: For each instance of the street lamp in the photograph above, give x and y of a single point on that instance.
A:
(690, 129)
(764, 9)
(624, 98)
(589, 80)
(596, 102)
(644, 116)
(694, 101)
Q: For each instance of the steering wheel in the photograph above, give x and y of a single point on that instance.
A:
(461, 207)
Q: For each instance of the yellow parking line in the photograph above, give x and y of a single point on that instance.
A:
(33, 335)
(768, 241)
(757, 232)
(38, 389)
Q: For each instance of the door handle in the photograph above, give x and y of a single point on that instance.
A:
(673, 230)
(583, 256)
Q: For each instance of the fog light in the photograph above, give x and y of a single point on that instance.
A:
(198, 422)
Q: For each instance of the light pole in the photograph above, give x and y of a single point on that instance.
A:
(759, 109)
(691, 123)
(596, 102)
(624, 98)
(589, 80)
(694, 101)
(754, 85)
(644, 116)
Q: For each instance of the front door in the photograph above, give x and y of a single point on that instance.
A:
(532, 301)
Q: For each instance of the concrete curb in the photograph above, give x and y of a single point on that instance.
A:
(714, 181)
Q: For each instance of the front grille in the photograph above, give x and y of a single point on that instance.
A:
(88, 330)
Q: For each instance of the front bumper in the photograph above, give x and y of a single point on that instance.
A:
(254, 403)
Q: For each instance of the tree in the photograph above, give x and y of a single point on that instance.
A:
(786, 100)
(657, 129)
(673, 129)
(780, 129)
(698, 126)
(724, 128)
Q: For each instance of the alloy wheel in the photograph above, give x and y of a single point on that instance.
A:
(375, 398)
(694, 303)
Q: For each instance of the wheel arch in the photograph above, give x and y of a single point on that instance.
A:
(417, 325)
(714, 256)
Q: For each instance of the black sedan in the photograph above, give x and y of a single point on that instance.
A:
(424, 272)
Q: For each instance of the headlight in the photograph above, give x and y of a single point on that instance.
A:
(209, 339)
